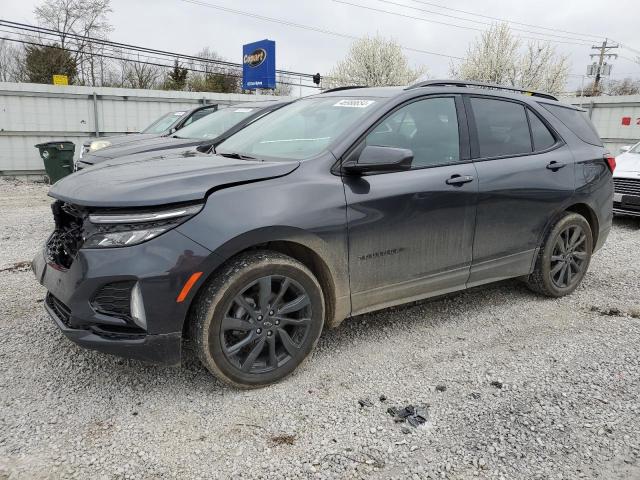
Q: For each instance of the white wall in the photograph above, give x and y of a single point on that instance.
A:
(34, 113)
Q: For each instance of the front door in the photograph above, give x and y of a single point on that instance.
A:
(411, 232)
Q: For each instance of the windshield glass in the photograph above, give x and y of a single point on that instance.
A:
(299, 130)
(163, 123)
(635, 148)
(216, 123)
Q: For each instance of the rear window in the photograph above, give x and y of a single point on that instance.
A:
(542, 137)
(576, 121)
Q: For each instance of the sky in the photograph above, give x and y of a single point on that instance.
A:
(184, 27)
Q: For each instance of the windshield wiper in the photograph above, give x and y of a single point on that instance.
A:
(235, 155)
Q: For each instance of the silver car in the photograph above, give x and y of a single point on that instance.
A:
(626, 179)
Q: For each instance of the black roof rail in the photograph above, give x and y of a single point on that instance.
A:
(471, 84)
(350, 87)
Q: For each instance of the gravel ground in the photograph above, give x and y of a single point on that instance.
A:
(515, 385)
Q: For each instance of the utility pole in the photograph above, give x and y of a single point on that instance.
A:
(601, 68)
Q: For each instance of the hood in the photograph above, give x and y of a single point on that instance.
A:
(143, 143)
(161, 179)
(628, 162)
(122, 139)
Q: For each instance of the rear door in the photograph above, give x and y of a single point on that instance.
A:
(525, 176)
(411, 232)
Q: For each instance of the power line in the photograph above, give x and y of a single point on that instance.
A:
(144, 62)
(508, 21)
(390, 2)
(466, 27)
(100, 41)
(304, 27)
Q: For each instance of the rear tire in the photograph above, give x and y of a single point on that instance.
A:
(563, 258)
(257, 319)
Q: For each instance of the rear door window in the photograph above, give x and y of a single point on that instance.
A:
(502, 127)
(576, 121)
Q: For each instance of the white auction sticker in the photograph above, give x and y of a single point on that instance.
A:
(178, 114)
(243, 110)
(354, 103)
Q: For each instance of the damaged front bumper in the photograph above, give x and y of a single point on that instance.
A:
(158, 269)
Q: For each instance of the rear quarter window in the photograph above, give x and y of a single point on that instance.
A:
(576, 121)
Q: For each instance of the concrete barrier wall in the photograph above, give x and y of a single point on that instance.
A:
(34, 113)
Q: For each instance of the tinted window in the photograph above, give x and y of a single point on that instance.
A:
(502, 127)
(429, 128)
(576, 121)
(198, 115)
(542, 137)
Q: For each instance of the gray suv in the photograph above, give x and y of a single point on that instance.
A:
(335, 205)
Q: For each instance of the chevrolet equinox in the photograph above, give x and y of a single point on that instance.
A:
(337, 204)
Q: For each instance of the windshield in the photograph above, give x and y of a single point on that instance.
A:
(635, 148)
(164, 122)
(216, 123)
(299, 130)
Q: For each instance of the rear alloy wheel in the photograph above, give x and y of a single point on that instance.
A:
(564, 258)
(258, 319)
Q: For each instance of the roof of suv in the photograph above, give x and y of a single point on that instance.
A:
(443, 86)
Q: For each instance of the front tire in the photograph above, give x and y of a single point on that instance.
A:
(564, 257)
(257, 320)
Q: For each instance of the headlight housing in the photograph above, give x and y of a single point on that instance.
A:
(123, 229)
(99, 145)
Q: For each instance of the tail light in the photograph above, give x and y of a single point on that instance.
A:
(611, 162)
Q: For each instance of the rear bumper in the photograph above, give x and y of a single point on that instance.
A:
(159, 267)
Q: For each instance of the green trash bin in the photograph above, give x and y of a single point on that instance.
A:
(57, 158)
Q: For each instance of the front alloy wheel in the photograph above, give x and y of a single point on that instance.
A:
(257, 319)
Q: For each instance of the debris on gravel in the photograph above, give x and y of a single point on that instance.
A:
(568, 409)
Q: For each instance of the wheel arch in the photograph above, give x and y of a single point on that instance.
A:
(590, 215)
(303, 246)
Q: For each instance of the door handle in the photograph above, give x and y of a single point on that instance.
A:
(459, 180)
(555, 166)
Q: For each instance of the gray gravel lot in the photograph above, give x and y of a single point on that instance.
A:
(568, 406)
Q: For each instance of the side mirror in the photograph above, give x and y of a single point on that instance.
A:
(625, 148)
(380, 159)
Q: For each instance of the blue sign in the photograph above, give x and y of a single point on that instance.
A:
(259, 65)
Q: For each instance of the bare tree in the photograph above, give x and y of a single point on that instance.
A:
(210, 76)
(75, 21)
(497, 56)
(140, 74)
(626, 86)
(374, 61)
(11, 61)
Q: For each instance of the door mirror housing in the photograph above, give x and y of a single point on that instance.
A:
(625, 148)
(380, 159)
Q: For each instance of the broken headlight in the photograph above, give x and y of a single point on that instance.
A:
(122, 229)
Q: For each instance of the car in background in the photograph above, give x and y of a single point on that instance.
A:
(204, 133)
(626, 180)
(165, 125)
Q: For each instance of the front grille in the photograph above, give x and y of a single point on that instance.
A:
(627, 186)
(114, 299)
(65, 241)
(59, 309)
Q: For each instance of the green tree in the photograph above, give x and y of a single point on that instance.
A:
(177, 78)
(42, 63)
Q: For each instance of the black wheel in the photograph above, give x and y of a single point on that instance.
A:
(258, 319)
(564, 257)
